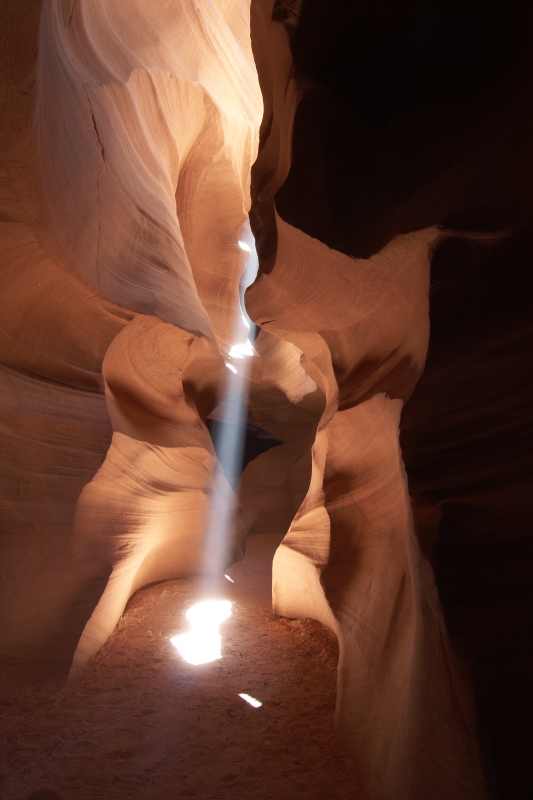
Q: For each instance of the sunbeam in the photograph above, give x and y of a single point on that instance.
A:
(203, 643)
(229, 434)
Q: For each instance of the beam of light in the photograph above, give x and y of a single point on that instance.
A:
(253, 702)
(231, 414)
(229, 579)
(202, 644)
(242, 350)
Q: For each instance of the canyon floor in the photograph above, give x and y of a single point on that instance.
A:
(140, 723)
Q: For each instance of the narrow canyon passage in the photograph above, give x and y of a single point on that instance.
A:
(300, 232)
(139, 722)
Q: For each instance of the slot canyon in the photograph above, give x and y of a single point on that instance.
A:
(266, 320)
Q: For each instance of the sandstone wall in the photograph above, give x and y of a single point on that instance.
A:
(384, 149)
(129, 137)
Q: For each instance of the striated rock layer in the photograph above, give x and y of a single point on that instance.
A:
(391, 209)
(126, 157)
(411, 160)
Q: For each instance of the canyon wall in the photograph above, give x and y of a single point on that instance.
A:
(393, 238)
(130, 135)
(383, 152)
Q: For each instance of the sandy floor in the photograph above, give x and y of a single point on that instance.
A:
(139, 722)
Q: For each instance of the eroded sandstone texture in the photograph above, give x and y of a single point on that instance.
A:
(391, 195)
(411, 159)
(127, 159)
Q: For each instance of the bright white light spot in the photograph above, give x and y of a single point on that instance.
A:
(231, 367)
(208, 613)
(244, 247)
(202, 644)
(197, 648)
(229, 579)
(253, 702)
(241, 350)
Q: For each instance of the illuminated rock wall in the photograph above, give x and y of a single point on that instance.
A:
(391, 209)
(126, 156)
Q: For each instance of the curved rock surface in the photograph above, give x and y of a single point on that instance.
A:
(126, 184)
(409, 160)
(385, 152)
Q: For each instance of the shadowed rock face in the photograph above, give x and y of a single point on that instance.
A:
(470, 472)
(391, 204)
(411, 156)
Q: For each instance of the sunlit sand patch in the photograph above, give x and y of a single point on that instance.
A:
(203, 643)
(251, 700)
